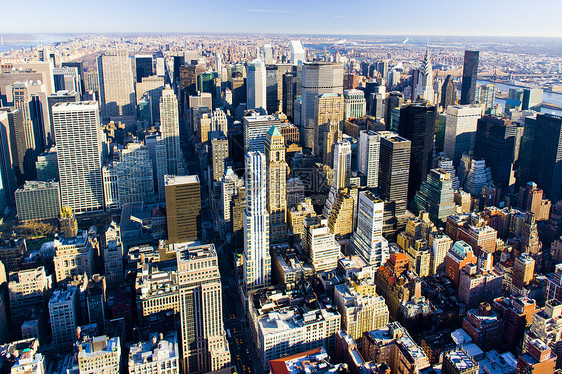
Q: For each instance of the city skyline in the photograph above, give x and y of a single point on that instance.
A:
(311, 17)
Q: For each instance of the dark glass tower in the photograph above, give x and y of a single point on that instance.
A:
(417, 123)
(469, 77)
(497, 143)
(447, 92)
(144, 67)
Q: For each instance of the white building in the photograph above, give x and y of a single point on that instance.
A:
(99, 354)
(170, 131)
(117, 87)
(369, 153)
(255, 130)
(256, 85)
(160, 355)
(354, 104)
(321, 246)
(298, 55)
(460, 130)
(257, 260)
(73, 257)
(79, 155)
(367, 240)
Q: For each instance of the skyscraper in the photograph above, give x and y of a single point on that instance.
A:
(355, 105)
(394, 170)
(460, 131)
(143, 65)
(117, 87)
(436, 195)
(328, 112)
(318, 78)
(183, 208)
(367, 240)
(497, 142)
(79, 155)
(256, 86)
(369, 151)
(417, 123)
(469, 77)
(204, 345)
(257, 260)
(170, 130)
(298, 55)
(276, 184)
(424, 86)
(448, 92)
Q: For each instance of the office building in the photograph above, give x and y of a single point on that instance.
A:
(394, 170)
(367, 240)
(469, 77)
(440, 245)
(99, 354)
(63, 318)
(361, 311)
(547, 326)
(170, 131)
(79, 157)
(457, 258)
(458, 361)
(523, 271)
(257, 260)
(436, 195)
(460, 131)
(478, 284)
(67, 79)
(424, 86)
(151, 88)
(320, 245)
(28, 291)
(554, 285)
(255, 129)
(183, 208)
(317, 79)
(484, 326)
(204, 345)
(532, 99)
(369, 154)
(277, 170)
(417, 123)
(159, 355)
(37, 200)
(328, 114)
(355, 105)
(539, 358)
(448, 92)
(478, 177)
(256, 86)
(47, 166)
(300, 328)
(298, 55)
(73, 257)
(58, 97)
(117, 87)
(143, 66)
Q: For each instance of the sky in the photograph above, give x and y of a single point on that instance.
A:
(353, 17)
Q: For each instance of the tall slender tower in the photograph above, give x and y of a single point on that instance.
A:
(424, 88)
(469, 77)
(369, 151)
(342, 173)
(328, 110)
(117, 86)
(276, 184)
(204, 345)
(79, 155)
(257, 261)
(170, 130)
(255, 85)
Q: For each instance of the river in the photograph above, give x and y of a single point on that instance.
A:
(547, 97)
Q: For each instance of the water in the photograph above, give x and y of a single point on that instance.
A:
(12, 41)
(547, 97)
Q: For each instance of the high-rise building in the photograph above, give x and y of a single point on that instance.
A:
(170, 131)
(367, 240)
(448, 95)
(63, 318)
(328, 113)
(417, 123)
(538, 358)
(394, 170)
(67, 79)
(151, 88)
(545, 153)
(486, 95)
(99, 354)
(317, 79)
(58, 97)
(255, 129)
(355, 105)
(424, 86)
(256, 86)
(440, 245)
(257, 260)
(523, 271)
(436, 195)
(484, 326)
(298, 55)
(320, 245)
(547, 326)
(277, 170)
(28, 291)
(460, 131)
(458, 361)
(143, 66)
(79, 155)
(469, 77)
(117, 87)
(532, 98)
(457, 258)
(149, 358)
(369, 153)
(204, 344)
(73, 257)
(183, 208)
(37, 200)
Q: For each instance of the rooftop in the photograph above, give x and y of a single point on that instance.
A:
(172, 180)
